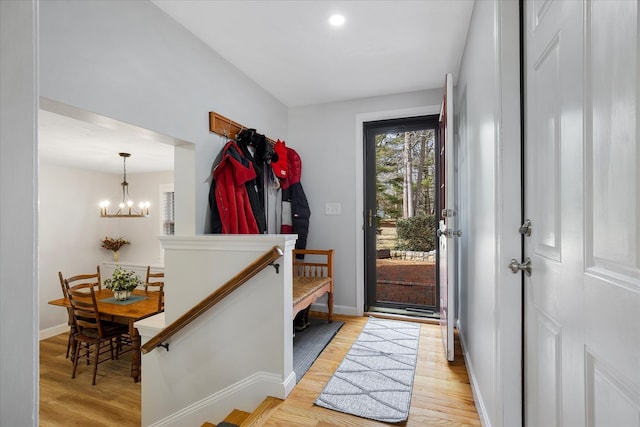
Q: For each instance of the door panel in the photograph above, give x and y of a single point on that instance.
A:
(548, 346)
(545, 156)
(612, 263)
(582, 300)
(447, 222)
(612, 155)
(611, 399)
(554, 333)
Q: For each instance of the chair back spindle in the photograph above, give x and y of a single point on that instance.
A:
(155, 283)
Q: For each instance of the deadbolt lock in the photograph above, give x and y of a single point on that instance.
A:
(448, 213)
(525, 228)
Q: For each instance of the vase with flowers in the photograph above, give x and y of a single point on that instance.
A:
(122, 283)
(114, 245)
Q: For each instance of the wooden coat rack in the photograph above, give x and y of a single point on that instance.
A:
(226, 127)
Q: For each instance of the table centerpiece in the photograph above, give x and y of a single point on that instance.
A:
(122, 283)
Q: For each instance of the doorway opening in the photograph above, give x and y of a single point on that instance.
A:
(401, 247)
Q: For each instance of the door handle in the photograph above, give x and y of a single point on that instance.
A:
(516, 267)
(449, 233)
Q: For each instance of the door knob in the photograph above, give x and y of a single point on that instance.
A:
(515, 266)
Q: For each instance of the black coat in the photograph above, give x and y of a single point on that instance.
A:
(293, 194)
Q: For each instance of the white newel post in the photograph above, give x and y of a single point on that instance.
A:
(234, 355)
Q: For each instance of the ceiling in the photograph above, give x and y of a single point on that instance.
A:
(291, 51)
(289, 48)
(92, 142)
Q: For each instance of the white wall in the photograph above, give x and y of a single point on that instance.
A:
(477, 309)
(70, 229)
(212, 368)
(487, 126)
(18, 221)
(129, 61)
(326, 138)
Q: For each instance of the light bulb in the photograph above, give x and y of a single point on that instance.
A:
(103, 207)
(336, 20)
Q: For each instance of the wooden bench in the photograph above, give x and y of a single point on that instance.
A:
(312, 278)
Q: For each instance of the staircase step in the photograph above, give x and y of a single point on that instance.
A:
(237, 417)
(263, 412)
(255, 419)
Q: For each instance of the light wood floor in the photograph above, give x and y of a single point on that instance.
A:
(441, 394)
(441, 391)
(113, 401)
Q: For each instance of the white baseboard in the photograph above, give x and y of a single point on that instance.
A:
(245, 395)
(337, 309)
(53, 331)
(477, 397)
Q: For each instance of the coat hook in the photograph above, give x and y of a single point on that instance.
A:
(225, 132)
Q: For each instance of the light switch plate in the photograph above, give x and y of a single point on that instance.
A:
(332, 208)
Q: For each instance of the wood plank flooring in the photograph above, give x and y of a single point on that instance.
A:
(441, 395)
(113, 402)
(441, 391)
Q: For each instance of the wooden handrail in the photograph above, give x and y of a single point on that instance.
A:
(218, 295)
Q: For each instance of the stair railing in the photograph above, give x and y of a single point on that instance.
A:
(218, 295)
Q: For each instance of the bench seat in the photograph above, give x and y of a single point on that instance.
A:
(312, 278)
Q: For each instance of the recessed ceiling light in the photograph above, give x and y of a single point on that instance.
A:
(336, 20)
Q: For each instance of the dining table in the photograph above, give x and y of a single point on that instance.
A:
(141, 304)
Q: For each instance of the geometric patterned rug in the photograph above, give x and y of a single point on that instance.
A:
(375, 379)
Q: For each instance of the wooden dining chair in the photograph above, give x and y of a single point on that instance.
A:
(90, 332)
(155, 281)
(69, 312)
(75, 280)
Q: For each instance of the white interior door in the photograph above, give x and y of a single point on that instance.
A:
(582, 302)
(447, 224)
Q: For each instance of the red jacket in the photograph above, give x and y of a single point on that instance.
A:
(230, 175)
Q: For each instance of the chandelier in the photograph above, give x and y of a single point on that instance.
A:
(126, 209)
